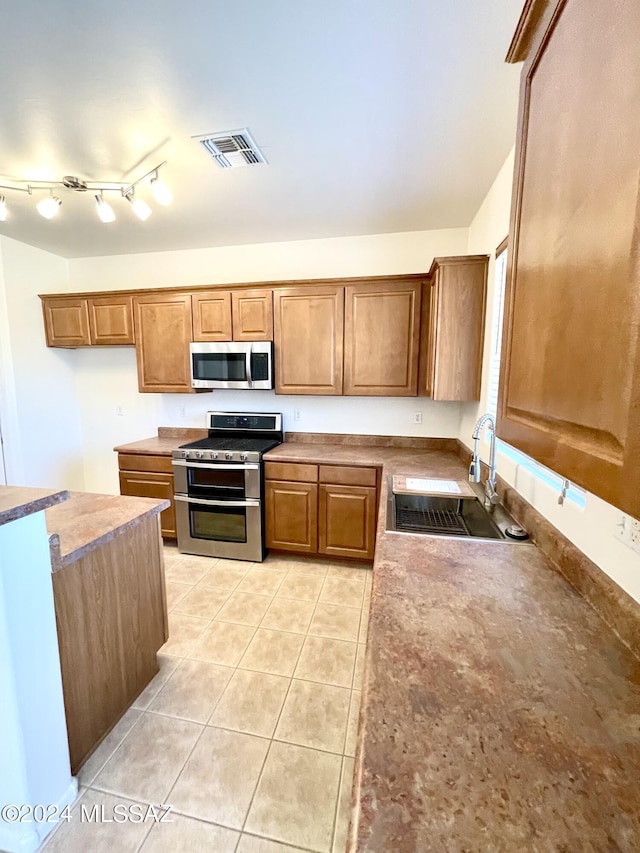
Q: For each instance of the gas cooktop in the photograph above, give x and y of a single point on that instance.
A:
(235, 437)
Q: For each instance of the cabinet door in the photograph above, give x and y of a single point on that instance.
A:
(212, 316)
(163, 332)
(381, 339)
(291, 511)
(111, 320)
(347, 521)
(252, 312)
(146, 484)
(453, 329)
(66, 322)
(570, 375)
(308, 334)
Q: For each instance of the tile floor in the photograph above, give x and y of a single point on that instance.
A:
(248, 731)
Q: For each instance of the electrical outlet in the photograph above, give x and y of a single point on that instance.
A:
(297, 415)
(417, 417)
(120, 411)
(628, 532)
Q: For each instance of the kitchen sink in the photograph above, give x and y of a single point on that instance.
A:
(459, 517)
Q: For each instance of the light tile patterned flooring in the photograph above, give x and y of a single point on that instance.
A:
(248, 731)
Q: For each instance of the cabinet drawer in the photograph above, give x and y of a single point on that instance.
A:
(152, 485)
(140, 462)
(293, 471)
(347, 476)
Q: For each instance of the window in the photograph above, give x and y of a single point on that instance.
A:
(574, 494)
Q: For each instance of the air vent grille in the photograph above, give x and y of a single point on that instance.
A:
(232, 148)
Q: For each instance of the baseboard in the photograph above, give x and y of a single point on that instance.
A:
(29, 837)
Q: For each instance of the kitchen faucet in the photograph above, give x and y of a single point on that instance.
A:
(490, 496)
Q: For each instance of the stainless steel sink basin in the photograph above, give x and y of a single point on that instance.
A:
(466, 518)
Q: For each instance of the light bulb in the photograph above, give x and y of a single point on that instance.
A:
(3, 209)
(48, 207)
(140, 207)
(161, 192)
(105, 211)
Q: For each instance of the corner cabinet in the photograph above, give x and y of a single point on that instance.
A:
(163, 332)
(382, 339)
(453, 321)
(308, 336)
(570, 375)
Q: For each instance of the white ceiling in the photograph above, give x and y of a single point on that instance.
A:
(374, 115)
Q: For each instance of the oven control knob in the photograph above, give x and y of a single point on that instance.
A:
(228, 455)
(214, 454)
(244, 456)
(185, 454)
(199, 454)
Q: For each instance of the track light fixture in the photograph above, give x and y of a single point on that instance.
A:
(50, 205)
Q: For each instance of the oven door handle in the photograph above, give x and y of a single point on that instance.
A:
(236, 466)
(248, 364)
(186, 499)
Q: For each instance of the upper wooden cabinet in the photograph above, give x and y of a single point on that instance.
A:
(66, 322)
(212, 316)
(453, 319)
(111, 320)
(94, 321)
(163, 333)
(570, 386)
(308, 335)
(252, 313)
(382, 339)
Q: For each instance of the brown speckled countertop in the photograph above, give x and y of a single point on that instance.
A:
(167, 440)
(19, 501)
(499, 713)
(86, 521)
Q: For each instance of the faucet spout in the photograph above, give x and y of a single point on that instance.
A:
(491, 496)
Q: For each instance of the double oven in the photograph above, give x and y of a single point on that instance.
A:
(219, 486)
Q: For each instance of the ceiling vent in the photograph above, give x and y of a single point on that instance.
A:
(232, 148)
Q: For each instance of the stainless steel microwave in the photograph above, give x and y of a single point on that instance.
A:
(231, 364)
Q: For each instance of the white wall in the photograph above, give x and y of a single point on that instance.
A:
(590, 529)
(105, 379)
(41, 424)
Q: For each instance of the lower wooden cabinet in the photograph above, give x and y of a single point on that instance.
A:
(335, 517)
(292, 516)
(145, 476)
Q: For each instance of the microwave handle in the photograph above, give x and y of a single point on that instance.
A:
(188, 500)
(248, 363)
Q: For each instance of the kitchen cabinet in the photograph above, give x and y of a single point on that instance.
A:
(163, 332)
(147, 476)
(88, 321)
(453, 320)
(308, 336)
(570, 373)
(239, 315)
(382, 338)
(327, 509)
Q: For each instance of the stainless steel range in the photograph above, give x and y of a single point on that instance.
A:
(219, 486)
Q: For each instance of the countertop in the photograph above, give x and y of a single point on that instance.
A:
(86, 521)
(167, 440)
(20, 501)
(499, 712)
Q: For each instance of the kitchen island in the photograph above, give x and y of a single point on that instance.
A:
(110, 607)
(499, 711)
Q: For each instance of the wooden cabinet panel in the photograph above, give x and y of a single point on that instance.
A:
(66, 322)
(163, 333)
(111, 320)
(382, 338)
(147, 484)
(348, 476)
(308, 334)
(291, 516)
(252, 313)
(347, 521)
(301, 473)
(212, 316)
(453, 328)
(570, 375)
